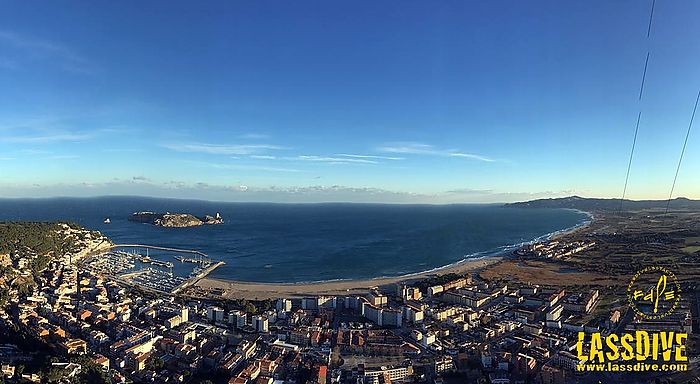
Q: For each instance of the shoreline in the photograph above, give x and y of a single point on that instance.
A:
(261, 290)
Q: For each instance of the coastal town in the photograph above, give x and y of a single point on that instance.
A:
(342, 192)
(442, 328)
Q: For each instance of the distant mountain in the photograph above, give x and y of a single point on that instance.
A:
(592, 204)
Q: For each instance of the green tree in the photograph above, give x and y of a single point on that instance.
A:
(250, 308)
(4, 297)
(54, 374)
(155, 363)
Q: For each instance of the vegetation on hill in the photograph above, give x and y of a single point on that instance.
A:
(90, 372)
(423, 285)
(38, 237)
(27, 249)
(591, 204)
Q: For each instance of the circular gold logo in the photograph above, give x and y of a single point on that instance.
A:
(654, 292)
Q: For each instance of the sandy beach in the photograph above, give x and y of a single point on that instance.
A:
(260, 291)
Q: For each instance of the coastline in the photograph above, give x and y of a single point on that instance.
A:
(576, 228)
(260, 291)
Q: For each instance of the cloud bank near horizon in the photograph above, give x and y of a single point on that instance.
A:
(144, 186)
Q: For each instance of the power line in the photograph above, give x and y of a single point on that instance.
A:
(651, 17)
(639, 116)
(644, 77)
(629, 165)
(685, 143)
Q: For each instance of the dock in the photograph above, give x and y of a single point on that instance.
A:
(160, 248)
(195, 279)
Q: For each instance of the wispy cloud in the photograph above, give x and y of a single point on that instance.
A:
(412, 148)
(40, 154)
(334, 160)
(490, 195)
(47, 137)
(263, 157)
(22, 48)
(141, 185)
(42, 130)
(222, 149)
(369, 157)
(217, 192)
(472, 156)
(244, 167)
(469, 191)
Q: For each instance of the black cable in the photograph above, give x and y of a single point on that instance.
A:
(687, 134)
(629, 165)
(651, 17)
(639, 116)
(644, 76)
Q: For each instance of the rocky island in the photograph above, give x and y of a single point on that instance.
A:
(175, 220)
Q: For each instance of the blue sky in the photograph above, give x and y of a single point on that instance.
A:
(386, 101)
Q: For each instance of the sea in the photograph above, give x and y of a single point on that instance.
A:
(289, 243)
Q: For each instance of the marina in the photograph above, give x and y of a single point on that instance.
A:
(113, 263)
(157, 280)
(200, 260)
(148, 271)
(146, 259)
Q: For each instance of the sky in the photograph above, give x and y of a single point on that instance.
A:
(371, 101)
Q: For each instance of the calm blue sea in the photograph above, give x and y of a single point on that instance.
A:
(311, 242)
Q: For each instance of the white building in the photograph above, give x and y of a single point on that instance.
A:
(284, 305)
(215, 314)
(260, 323)
(428, 338)
(237, 319)
(399, 374)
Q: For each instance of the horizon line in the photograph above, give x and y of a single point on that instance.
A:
(333, 202)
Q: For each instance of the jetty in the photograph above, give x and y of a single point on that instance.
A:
(160, 248)
(194, 279)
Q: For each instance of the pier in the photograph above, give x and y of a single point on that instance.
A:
(194, 279)
(160, 248)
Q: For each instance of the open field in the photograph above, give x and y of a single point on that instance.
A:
(691, 249)
(624, 244)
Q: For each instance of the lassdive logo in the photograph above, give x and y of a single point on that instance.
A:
(640, 351)
(654, 292)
